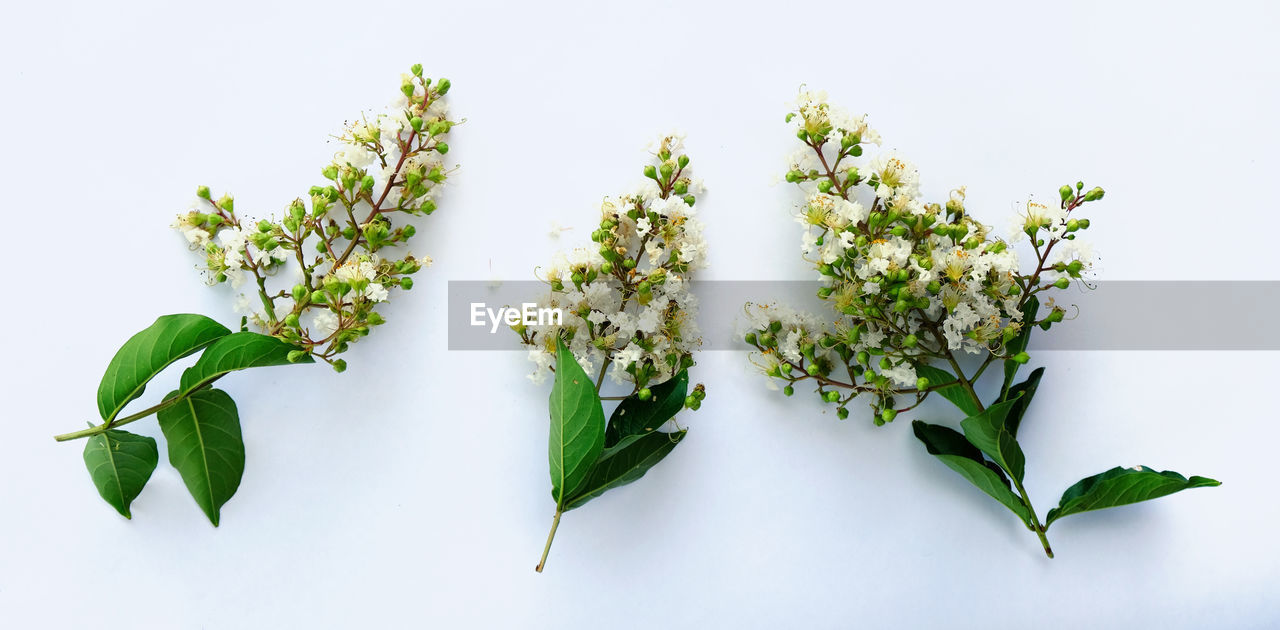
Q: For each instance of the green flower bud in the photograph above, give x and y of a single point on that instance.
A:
(406, 283)
(1021, 358)
(1094, 194)
(375, 319)
(750, 338)
(651, 172)
(340, 366)
(645, 394)
(1062, 283)
(842, 413)
(831, 396)
(203, 192)
(690, 402)
(442, 148)
(606, 267)
(443, 86)
(1065, 192)
(296, 355)
(888, 415)
(416, 69)
(788, 390)
(794, 176)
(922, 383)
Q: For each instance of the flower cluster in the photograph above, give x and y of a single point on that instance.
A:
(911, 282)
(626, 302)
(332, 244)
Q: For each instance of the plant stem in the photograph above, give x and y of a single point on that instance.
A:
(555, 524)
(83, 433)
(115, 422)
(1038, 528)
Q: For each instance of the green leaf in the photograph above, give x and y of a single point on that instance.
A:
(577, 427)
(624, 463)
(987, 432)
(1019, 342)
(955, 393)
(205, 446)
(1122, 486)
(237, 351)
(148, 353)
(634, 416)
(961, 456)
(1021, 395)
(120, 463)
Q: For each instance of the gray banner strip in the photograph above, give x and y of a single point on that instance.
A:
(1114, 315)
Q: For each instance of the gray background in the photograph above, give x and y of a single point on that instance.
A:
(412, 490)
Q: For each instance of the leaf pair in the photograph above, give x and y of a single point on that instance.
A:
(588, 456)
(200, 424)
(984, 436)
(989, 456)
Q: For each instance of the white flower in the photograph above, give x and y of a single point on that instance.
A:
(542, 361)
(324, 324)
(375, 292)
(355, 155)
(895, 173)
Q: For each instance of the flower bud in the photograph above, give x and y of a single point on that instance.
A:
(831, 396)
(1065, 192)
(416, 69)
(1062, 283)
(888, 415)
(1094, 195)
(788, 390)
(646, 394)
(750, 338)
(842, 413)
(406, 283)
(296, 355)
(340, 366)
(443, 86)
(651, 172)
(1021, 358)
(203, 192)
(922, 383)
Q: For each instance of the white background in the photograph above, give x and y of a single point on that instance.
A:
(412, 490)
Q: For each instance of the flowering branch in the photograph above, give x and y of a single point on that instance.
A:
(914, 284)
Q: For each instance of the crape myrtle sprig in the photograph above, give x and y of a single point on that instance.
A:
(910, 281)
(328, 252)
(627, 312)
(338, 235)
(913, 284)
(626, 301)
